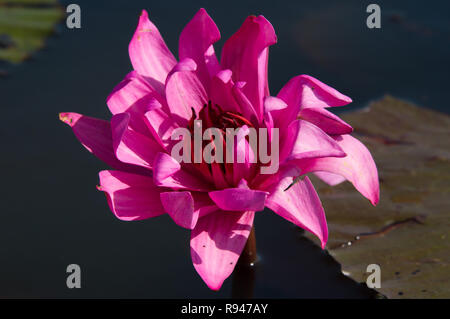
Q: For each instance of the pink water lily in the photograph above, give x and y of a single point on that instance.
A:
(217, 202)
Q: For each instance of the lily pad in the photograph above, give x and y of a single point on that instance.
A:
(24, 26)
(407, 234)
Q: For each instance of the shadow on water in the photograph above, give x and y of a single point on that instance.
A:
(53, 216)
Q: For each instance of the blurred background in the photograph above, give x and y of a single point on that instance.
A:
(52, 215)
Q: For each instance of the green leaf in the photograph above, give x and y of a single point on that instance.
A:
(24, 26)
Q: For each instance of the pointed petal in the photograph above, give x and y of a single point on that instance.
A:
(149, 53)
(196, 42)
(327, 121)
(217, 242)
(305, 140)
(180, 206)
(358, 167)
(304, 91)
(300, 205)
(95, 135)
(184, 91)
(130, 146)
(131, 196)
(167, 172)
(246, 54)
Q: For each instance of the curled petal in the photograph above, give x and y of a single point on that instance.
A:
(131, 196)
(196, 42)
(149, 53)
(217, 242)
(246, 54)
(327, 121)
(95, 135)
(305, 140)
(358, 167)
(304, 91)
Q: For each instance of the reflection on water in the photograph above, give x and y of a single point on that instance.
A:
(52, 214)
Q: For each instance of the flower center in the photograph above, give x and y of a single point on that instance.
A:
(214, 116)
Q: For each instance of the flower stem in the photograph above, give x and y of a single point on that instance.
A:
(244, 272)
(248, 256)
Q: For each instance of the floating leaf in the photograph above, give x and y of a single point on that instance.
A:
(407, 234)
(24, 26)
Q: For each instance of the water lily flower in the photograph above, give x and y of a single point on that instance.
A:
(218, 201)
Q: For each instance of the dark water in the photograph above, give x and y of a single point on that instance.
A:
(53, 216)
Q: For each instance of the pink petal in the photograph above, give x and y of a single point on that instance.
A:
(304, 91)
(247, 109)
(149, 53)
(184, 91)
(221, 92)
(357, 167)
(305, 140)
(196, 42)
(130, 146)
(160, 124)
(217, 242)
(246, 54)
(180, 206)
(326, 120)
(131, 196)
(243, 150)
(95, 135)
(167, 172)
(272, 103)
(133, 95)
(300, 205)
(330, 178)
(239, 199)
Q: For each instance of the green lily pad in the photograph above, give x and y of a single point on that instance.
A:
(407, 234)
(24, 26)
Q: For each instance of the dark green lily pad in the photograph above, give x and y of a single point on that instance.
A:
(407, 234)
(24, 26)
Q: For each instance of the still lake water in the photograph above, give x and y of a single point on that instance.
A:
(52, 214)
